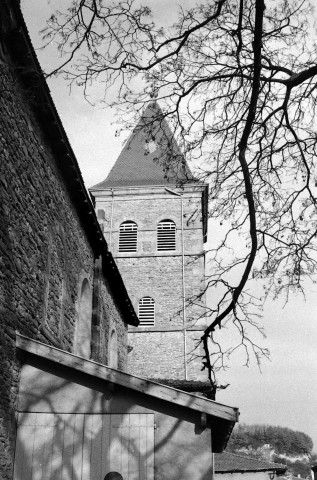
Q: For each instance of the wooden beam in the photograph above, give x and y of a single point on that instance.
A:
(97, 370)
(203, 420)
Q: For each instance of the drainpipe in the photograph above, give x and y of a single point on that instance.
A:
(183, 277)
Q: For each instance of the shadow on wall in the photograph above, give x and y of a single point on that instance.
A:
(83, 446)
(79, 446)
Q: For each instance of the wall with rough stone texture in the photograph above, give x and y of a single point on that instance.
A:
(147, 210)
(106, 321)
(45, 255)
(158, 352)
(161, 279)
(112, 323)
(43, 250)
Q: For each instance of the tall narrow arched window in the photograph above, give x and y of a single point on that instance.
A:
(113, 350)
(83, 329)
(147, 312)
(166, 235)
(128, 237)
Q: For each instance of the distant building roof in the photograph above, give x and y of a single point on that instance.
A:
(231, 462)
(150, 156)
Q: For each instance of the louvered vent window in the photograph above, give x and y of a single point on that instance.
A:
(147, 312)
(128, 237)
(166, 235)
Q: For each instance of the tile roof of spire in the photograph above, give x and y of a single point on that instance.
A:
(150, 156)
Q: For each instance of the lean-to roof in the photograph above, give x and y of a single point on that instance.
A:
(220, 418)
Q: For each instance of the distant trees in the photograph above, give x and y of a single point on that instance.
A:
(282, 440)
(296, 468)
(289, 447)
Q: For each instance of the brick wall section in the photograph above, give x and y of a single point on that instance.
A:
(44, 254)
(159, 275)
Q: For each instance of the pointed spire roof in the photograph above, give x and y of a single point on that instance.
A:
(150, 156)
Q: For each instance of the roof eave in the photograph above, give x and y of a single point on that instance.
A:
(203, 187)
(19, 44)
(278, 471)
(222, 416)
(118, 289)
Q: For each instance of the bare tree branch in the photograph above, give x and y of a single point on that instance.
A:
(237, 83)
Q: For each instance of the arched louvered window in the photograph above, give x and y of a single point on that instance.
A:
(147, 312)
(166, 235)
(128, 237)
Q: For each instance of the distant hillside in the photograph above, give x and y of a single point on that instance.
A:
(286, 446)
(283, 441)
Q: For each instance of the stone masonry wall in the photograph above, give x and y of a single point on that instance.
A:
(160, 354)
(44, 253)
(161, 279)
(157, 355)
(43, 250)
(147, 211)
(106, 320)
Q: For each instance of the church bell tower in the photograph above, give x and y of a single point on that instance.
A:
(154, 217)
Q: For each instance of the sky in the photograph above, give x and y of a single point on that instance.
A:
(284, 392)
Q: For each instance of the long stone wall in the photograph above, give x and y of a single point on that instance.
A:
(46, 259)
(44, 252)
(159, 351)
(107, 322)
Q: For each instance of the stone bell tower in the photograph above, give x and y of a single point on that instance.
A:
(154, 216)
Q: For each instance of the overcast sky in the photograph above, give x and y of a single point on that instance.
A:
(285, 393)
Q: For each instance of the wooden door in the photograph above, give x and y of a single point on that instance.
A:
(84, 447)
